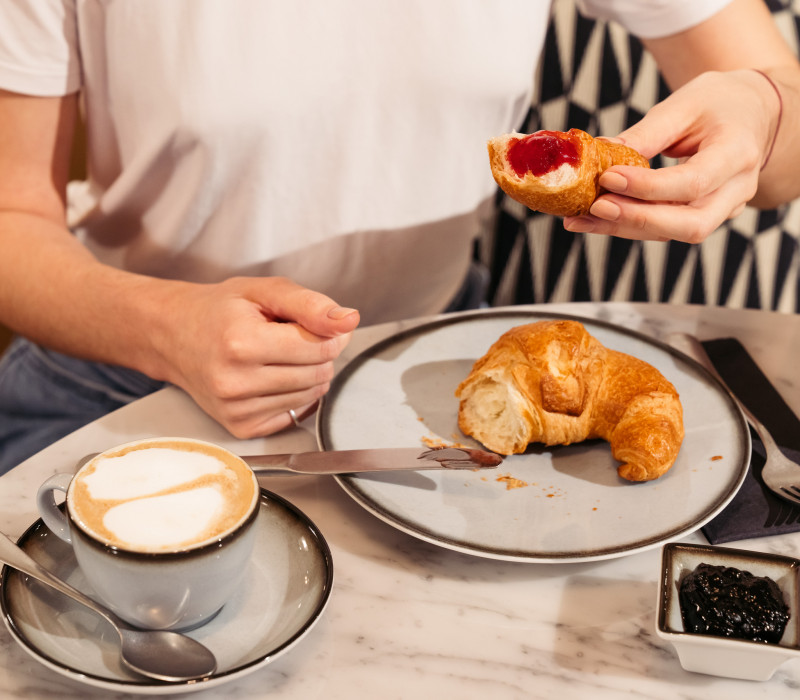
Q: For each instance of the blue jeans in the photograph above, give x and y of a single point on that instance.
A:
(45, 395)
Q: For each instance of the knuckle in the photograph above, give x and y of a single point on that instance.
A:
(638, 220)
(219, 389)
(750, 191)
(233, 345)
(329, 349)
(324, 373)
(235, 285)
(242, 431)
(315, 392)
(280, 284)
(751, 158)
(321, 390)
(647, 190)
(642, 185)
(696, 232)
(224, 386)
(697, 186)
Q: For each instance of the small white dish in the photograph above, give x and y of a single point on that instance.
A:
(724, 656)
(284, 594)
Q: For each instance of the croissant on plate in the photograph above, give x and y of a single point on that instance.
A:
(552, 382)
(556, 172)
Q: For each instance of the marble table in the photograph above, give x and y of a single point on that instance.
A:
(408, 619)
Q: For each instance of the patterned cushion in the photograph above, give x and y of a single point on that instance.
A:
(596, 77)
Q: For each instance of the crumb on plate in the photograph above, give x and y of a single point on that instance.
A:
(512, 482)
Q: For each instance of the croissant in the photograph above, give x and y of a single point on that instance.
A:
(556, 172)
(552, 382)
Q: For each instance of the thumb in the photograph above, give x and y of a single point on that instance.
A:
(316, 312)
(338, 320)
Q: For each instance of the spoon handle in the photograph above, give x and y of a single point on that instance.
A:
(14, 556)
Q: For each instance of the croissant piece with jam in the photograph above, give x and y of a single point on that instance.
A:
(552, 382)
(556, 172)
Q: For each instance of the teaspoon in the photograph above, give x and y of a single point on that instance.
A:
(159, 654)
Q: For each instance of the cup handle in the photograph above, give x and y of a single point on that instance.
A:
(51, 514)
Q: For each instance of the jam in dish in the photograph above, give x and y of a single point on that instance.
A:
(728, 602)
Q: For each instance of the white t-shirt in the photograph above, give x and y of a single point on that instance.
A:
(340, 143)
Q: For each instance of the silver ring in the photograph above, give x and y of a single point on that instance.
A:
(293, 416)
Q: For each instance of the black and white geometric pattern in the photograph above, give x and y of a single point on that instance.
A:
(596, 77)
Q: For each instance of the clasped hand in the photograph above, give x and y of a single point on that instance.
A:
(249, 349)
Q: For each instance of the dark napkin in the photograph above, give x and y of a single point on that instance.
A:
(755, 511)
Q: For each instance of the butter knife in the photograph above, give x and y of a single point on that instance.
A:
(373, 460)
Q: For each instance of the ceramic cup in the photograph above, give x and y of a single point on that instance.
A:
(162, 529)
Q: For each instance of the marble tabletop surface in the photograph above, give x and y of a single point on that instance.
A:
(408, 619)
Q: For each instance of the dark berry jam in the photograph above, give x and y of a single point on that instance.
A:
(728, 602)
(541, 153)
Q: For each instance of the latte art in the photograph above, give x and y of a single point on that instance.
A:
(162, 496)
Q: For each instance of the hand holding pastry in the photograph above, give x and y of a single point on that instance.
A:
(721, 128)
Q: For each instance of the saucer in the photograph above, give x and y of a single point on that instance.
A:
(283, 595)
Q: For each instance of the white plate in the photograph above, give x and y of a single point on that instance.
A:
(575, 507)
(285, 592)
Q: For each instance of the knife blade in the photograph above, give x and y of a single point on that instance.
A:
(373, 460)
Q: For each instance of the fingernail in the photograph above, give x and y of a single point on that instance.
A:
(339, 312)
(614, 182)
(603, 209)
(579, 224)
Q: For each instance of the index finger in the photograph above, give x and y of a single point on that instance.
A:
(289, 343)
(697, 177)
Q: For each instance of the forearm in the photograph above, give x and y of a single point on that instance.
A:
(744, 36)
(246, 349)
(779, 182)
(53, 291)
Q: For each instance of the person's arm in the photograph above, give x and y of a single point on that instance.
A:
(720, 122)
(744, 36)
(247, 349)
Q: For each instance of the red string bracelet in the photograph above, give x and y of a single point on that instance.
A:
(780, 115)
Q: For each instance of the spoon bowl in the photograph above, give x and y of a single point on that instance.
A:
(162, 655)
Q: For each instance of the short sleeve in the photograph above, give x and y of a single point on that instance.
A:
(650, 19)
(39, 50)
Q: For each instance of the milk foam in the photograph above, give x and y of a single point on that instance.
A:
(165, 521)
(157, 497)
(145, 472)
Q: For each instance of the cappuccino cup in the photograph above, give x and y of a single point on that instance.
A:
(162, 529)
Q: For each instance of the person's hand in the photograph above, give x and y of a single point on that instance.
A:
(249, 349)
(720, 127)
